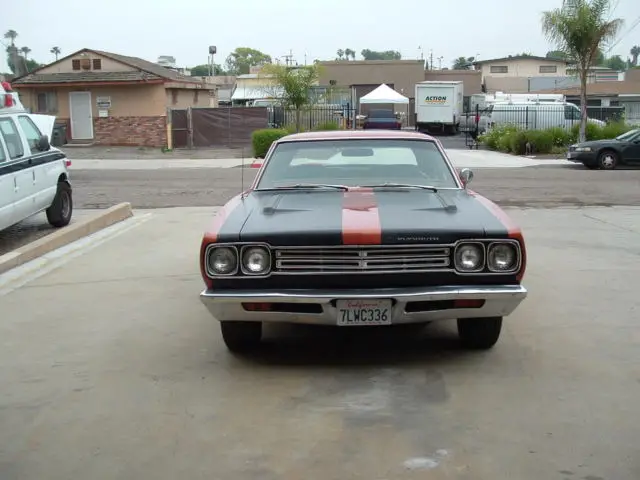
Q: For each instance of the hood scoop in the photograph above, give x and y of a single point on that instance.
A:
(273, 207)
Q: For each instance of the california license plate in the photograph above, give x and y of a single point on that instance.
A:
(364, 312)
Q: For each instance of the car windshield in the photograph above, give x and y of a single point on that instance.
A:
(381, 114)
(355, 162)
(628, 135)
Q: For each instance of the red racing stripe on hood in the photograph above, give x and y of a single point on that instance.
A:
(361, 218)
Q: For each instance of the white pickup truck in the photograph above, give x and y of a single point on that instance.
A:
(34, 176)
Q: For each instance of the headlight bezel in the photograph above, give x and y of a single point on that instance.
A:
(257, 246)
(207, 257)
(518, 257)
(482, 264)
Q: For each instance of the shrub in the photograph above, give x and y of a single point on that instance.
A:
(511, 139)
(262, 140)
(324, 126)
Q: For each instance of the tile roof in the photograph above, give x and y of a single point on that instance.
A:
(147, 66)
(600, 88)
(85, 77)
(146, 71)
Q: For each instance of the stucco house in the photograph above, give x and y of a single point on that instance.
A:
(111, 99)
(522, 66)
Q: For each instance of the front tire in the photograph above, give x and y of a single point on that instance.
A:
(608, 160)
(479, 333)
(61, 209)
(241, 337)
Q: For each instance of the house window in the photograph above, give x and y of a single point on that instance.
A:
(97, 64)
(548, 69)
(499, 69)
(47, 102)
(75, 64)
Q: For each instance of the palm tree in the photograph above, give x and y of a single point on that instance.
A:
(348, 53)
(25, 51)
(635, 53)
(11, 35)
(580, 28)
(462, 63)
(56, 51)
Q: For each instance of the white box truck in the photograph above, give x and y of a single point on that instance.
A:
(439, 106)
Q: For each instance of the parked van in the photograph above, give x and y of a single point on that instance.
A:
(536, 115)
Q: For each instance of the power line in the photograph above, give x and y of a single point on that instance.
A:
(633, 25)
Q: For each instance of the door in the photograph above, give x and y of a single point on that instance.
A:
(6, 189)
(81, 116)
(43, 171)
(632, 150)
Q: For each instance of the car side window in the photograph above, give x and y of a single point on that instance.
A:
(11, 138)
(571, 113)
(3, 156)
(31, 131)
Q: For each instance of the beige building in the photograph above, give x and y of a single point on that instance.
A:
(110, 99)
(521, 66)
(471, 79)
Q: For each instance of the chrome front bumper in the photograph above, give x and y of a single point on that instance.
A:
(499, 301)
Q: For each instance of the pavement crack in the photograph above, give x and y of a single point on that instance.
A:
(631, 230)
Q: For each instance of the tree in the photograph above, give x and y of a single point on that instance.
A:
(557, 54)
(463, 63)
(386, 55)
(25, 51)
(241, 60)
(616, 63)
(11, 35)
(56, 51)
(294, 84)
(580, 28)
(204, 70)
(340, 53)
(635, 53)
(349, 54)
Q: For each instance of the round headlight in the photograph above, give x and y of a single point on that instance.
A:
(502, 257)
(222, 260)
(469, 257)
(256, 260)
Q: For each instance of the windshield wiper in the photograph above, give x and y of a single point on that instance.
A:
(401, 185)
(305, 186)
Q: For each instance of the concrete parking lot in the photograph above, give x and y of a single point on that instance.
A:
(111, 368)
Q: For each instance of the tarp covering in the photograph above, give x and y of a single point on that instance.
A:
(384, 94)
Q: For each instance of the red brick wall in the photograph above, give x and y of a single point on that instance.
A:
(130, 131)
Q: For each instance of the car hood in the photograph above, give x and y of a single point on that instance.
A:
(596, 143)
(401, 216)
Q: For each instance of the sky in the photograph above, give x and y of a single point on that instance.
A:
(185, 28)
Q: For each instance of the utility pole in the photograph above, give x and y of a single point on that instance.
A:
(289, 58)
(430, 59)
(440, 63)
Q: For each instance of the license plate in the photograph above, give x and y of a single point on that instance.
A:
(364, 312)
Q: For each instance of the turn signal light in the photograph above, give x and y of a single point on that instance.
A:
(257, 307)
(468, 303)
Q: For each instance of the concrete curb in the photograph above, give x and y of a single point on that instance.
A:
(65, 236)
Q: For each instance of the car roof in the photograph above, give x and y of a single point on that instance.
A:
(356, 134)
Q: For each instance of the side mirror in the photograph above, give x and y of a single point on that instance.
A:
(43, 144)
(466, 175)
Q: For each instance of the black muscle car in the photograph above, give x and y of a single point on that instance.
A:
(609, 153)
(361, 228)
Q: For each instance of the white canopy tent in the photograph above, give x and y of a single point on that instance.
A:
(384, 94)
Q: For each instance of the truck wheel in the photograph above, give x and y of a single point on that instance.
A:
(61, 209)
(479, 333)
(241, 337)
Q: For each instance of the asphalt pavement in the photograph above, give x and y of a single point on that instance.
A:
(526, 187)
(112, 369)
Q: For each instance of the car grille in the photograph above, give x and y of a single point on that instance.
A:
(408, 258)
